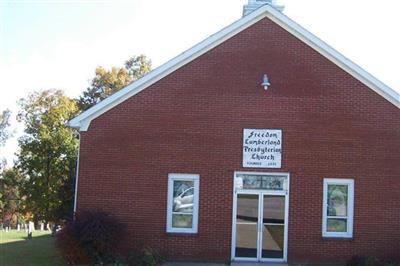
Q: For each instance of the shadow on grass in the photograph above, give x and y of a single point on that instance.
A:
(40, 250)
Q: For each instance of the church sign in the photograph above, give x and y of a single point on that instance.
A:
(262, 148)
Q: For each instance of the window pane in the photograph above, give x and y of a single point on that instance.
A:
(337, 200)
(273, 227)
(183, 196)
(274, 209)
(273, 241)
(182, 220)
(247, 208)
(252, 181)
(246, 240)
(246, 225)
(337, 225)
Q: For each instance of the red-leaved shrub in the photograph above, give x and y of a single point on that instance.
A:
(91, 238)
(69, 246)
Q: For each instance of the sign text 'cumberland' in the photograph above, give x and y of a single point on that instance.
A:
(262, 148)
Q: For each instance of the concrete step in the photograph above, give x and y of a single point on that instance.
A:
(258, 264)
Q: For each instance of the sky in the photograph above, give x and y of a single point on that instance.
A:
(59, 43)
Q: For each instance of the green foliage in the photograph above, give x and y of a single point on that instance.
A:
(138, 66)
(107, 82)
(150, 257)
(47, 155)
(147, 257)
(10, 198)
(371, 261)
(4, 124)
(4, 133)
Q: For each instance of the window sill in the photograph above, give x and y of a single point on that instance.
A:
(338, 238)
(184, 234)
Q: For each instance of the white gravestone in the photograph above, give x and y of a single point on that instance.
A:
(31, 228)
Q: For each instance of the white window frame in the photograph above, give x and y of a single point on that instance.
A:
(350, 207)
(183, 177)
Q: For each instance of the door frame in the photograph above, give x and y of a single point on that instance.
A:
(261, 194)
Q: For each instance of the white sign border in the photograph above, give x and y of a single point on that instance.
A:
(255, 129)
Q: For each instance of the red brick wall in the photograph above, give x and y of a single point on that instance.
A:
(192, 122)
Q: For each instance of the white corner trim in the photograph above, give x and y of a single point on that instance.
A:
(77, 174)
(82, 121)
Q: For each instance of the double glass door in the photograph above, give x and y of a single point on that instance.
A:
(260, 226)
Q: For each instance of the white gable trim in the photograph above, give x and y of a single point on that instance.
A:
(83, 120)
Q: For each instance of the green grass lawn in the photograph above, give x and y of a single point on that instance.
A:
(15, 249)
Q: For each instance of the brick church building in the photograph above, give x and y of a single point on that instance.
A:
(261, 143)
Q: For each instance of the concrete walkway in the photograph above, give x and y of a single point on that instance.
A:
(192, 264)
(221, 264)
(258, 264)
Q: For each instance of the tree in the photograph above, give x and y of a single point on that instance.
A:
(4, 124)
(4, 133)
(138, 66)
(10, 196)
(47, 156)
(107, 82)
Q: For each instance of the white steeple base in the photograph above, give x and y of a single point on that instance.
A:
(254, 4)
